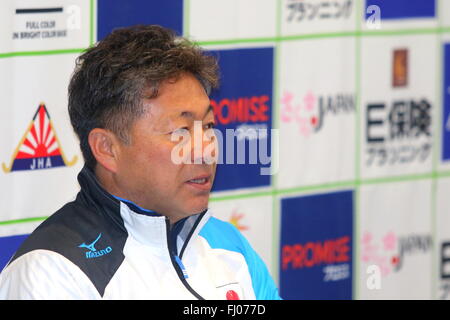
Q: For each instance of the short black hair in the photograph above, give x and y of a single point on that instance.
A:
(107, 87)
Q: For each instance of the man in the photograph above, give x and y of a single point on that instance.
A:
(139, 228)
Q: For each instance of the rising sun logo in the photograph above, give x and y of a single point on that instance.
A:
(235, 220)
(39, 147)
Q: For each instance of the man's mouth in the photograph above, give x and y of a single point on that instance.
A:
(201, 182)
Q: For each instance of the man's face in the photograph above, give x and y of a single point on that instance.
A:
(146, 173)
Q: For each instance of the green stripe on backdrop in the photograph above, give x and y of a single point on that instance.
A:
(186, 18)
(433, 225)
(402, 178)
(40, 53)
(436, 154)
(91, 23)
(304, 189)
(328, 186)
(19, 221)
(245, 40)
(443, 174)
(319, 187)
(236, 41)
(276, 217)
(279, 37)
(356, 193)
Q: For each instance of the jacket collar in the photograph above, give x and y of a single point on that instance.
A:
(146, 226)
(92, 191)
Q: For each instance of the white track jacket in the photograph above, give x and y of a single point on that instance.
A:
(103, 247)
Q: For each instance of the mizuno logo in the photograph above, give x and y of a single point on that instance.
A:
(93, 253)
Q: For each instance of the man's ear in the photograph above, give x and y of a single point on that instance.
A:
(104, 147)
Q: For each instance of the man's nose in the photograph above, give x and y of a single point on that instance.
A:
(204, 144)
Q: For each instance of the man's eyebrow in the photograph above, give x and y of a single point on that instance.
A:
(189, 114)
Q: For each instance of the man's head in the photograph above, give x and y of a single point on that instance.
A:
(127, 96)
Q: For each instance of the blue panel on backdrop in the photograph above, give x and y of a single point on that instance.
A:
(446, 99)
(404, 9)
(9, 245)
(113, 14)
(243, 112)
(316, 246)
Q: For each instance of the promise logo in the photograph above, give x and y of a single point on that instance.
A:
(200, 146)
(313, 254)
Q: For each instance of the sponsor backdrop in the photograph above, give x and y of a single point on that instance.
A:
(347, 103)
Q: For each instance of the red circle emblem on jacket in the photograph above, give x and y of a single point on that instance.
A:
(232, 295)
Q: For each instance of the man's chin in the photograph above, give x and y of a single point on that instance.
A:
(197, 208)
(191, 206)
(174, 219)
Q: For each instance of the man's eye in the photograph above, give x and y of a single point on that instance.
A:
(181, 130)
(210, 125)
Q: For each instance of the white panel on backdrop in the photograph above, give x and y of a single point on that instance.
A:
(444, 12)
(253, 217)
(231, 19)
(312, 16)
(36, 187)
(7, 7)
(317, 112)
(398, 96)
(443, 239)
(395, 241)
(44, 25)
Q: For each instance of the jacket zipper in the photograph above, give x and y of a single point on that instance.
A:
(177, 266)
(191, 233)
